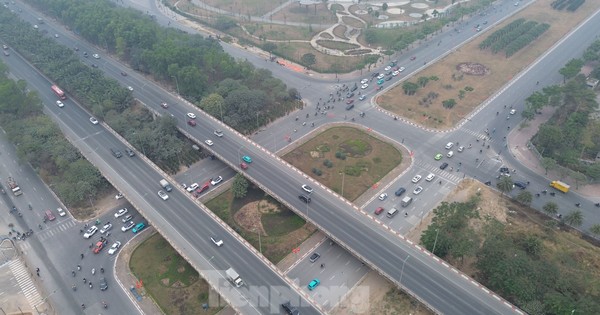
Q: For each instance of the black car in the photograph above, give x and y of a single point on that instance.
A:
(443, 166)
(374, 75)
(314, 257)
(289, 309)
(354, 88)
(349, 95)
(520, 184)
(130, 152)
(388, 78)
(349, 106)
(304, 198)
(116, 153)
(400, 191)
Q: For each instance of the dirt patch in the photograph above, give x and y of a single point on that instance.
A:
(375, 295)
(105, 203)
(340, 31)
(478, 88)
(249, 216)
(472, 68)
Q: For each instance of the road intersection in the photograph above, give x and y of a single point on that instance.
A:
(387, 127)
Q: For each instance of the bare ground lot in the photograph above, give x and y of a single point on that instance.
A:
(502, 69)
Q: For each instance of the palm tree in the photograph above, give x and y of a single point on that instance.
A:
(551, 208)
(574, 218)
(505, 184)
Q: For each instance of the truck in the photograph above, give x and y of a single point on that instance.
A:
(406, 201)
(560, 186)
(165, 185)
(14, 187)
(233, 276)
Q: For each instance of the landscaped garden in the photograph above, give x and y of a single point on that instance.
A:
(347, 160)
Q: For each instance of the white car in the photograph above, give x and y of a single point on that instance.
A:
(127, 218)
(119, 196)
(208, 142)
(513, 111)
(364, 86)
(307, 188)
(216, 241)
(416, 179)
(114, 248)
(191, 115)
(163, 195)
(450, 154)
(430, 177)
(96, 56)
(106, 228)
(192, 187)
(449, 145)
(383, 196)
(363, 81)
(121, 212)
(381, 76)
(55, 35)
(418, 190)
(60, 104)
(61, 212)
(216, 180)
(461, 148)
(388, 68)
(401, 69)
(130, 88)
(93, 120)
(90, 232)
(395, 73)
(127, 226)
(218, 133)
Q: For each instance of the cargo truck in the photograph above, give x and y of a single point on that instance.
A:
(166, 185)
(406, 201)
(560, 186)
(233, 276)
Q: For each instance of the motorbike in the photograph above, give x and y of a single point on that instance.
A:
(597, 204)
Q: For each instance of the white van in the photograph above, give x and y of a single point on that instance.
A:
(406, 201)
(392, 212)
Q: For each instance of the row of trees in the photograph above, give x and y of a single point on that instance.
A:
(571, 5)
(514, 36)
(517, 265)
(41, 144)
(195, 65)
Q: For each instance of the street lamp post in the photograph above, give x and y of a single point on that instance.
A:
(176, 83)
(402, 272)
(437, 232)
(259, 241)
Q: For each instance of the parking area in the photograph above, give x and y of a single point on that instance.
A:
(335, 269)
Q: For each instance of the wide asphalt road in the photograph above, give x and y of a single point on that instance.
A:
(179, 219)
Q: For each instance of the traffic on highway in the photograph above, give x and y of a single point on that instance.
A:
(367, 236)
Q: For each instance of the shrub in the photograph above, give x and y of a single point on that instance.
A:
(328, 163)
(340, 155)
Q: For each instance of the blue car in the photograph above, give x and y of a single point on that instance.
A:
(247, 159)
(313, 284)
(138, 227)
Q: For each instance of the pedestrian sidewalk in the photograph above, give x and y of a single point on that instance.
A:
(125, 277)
(518, 141)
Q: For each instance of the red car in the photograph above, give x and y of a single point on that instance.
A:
(201, 189)
(379, 210)
(99, 247)
(192, 122)
(49, 215)
(244, 166)
(349, 102)
(378, 88)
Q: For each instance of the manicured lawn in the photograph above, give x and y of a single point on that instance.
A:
(367, 160)
(169, 279)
